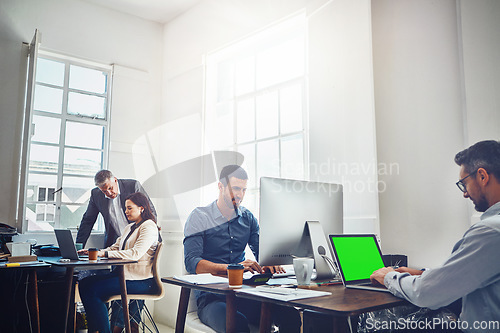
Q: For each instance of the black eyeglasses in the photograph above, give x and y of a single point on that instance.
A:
(461, 184)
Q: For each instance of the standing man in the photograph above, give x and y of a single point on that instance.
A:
(108, 198)
(216, 236)
(472, 272)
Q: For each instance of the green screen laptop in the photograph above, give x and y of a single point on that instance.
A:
(357, 256)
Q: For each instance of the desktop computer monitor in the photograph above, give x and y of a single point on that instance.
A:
(296, 218)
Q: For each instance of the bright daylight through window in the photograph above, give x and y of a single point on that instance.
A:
(256, 103)
(69, 140)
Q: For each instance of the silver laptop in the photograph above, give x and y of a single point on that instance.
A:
(357, 256)
(67, 245)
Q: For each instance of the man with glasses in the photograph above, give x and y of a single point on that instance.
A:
(472, 272)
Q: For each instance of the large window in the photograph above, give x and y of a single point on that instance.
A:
(256, 103)
(68, 139)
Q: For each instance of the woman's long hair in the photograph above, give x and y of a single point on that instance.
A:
(141, 200)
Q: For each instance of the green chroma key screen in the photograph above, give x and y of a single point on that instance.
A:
(358, 255)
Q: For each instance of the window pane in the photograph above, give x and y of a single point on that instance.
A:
(47, 129)
(250, 202)
(87, 105)
(50, 72)
(42, 193)
(35, 215)
(222, 126)
(224, 81)
(51, 194)
(76, 190)
(48, 99)
(291, 109)
(267, 115)
(292, 157)
(82, 162)
(87, 79)
(45, 212)
(281, 63)
(75, 196)
(244, 76)
(71, 216)
(248, 152)
(245, 118)
(84, 135)
(268, 164)
(37, 182)
(43, 158)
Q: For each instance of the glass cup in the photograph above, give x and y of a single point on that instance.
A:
(235, 275)
(79, 246)
(93, 253)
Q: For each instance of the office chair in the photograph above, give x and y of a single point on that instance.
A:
(156, 296)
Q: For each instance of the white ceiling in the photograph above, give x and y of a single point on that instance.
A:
(160, 11)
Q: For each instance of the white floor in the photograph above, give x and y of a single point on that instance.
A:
(165, 329)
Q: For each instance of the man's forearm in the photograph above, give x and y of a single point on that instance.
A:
(205, 266)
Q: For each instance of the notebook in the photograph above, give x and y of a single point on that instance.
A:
(357, 256)
(67, 245)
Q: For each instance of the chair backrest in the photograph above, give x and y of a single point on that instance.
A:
(160, 291)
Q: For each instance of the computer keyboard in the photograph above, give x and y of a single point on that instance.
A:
(289, 272)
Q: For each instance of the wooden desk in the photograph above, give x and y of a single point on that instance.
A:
(340, 304)
(33, 291)
(89, 265)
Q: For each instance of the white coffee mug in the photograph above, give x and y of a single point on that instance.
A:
(303, 268)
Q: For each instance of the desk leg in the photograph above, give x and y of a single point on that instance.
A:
(123, 288)
(340, 324)
(182, 310)
(69, 293)
(33, 303)
(231, 312)
(265, 317)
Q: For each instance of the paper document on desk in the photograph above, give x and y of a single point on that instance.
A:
(205, 278)
(283, 294)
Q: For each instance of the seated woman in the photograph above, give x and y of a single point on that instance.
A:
(138, 242)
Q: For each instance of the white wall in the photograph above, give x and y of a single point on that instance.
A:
(89, 32)
(480, 26)
(430, 103)
(341, 108)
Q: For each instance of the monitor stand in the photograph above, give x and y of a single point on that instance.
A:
(313, 243)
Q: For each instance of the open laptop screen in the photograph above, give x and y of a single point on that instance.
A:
(358, 256)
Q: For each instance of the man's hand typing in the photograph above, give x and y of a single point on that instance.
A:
(252, 266)
(274, 269)
(379, 274)
(412, 271)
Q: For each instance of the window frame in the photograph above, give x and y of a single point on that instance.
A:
(65, 117)
(266, 38)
